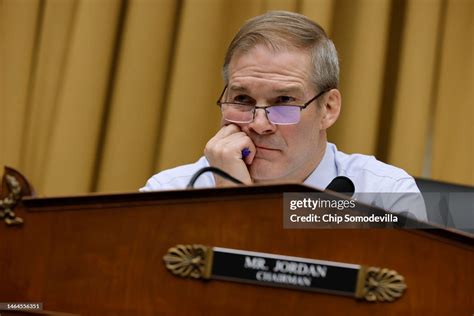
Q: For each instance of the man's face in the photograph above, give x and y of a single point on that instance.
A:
(283, 152)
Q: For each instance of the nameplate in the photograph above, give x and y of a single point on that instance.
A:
(297, 273)
(284, 271)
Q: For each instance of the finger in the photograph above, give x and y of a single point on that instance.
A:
(225, 151)
(238, 140)
(253, 150)
(227, 130)
(229, 140)
(221, 134)
(224, 132)
(241, 141)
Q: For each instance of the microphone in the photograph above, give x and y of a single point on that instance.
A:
(343, 185)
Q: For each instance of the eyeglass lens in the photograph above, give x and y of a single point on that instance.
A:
(277, 114)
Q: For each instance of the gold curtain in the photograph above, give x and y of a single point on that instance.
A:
(97, 95)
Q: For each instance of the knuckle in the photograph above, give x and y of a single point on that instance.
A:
(225, 151)
(243, 134)
(209, 146)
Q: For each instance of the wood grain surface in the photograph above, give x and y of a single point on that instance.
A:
(102, 255)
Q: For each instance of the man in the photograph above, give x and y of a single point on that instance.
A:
(281, 75)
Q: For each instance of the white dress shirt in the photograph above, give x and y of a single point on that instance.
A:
(367, 173)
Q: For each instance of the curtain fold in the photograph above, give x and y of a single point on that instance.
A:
(360, 36)
(413, 97)
(99, 95)
(18, 28)
(138, 95)
(321, 11)
(453, 131)
(194, 84)
(80, 101)
(47, 76)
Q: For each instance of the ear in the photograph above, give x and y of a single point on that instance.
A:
(331, 108)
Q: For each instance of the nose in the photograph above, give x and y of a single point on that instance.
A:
(261, 124)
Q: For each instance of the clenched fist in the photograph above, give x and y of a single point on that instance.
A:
(224, 151)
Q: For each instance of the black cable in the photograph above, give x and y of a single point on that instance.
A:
(215, 170)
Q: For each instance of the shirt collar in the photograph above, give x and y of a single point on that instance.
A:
(325, 172)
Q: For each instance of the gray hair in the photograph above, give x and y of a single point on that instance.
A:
(281, 30)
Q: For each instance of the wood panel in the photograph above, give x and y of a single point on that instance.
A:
(102, 255)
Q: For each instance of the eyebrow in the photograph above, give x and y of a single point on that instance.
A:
(279, 90)
(238, 88)
(288, 89)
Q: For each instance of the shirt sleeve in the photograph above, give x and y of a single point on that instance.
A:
(151, 185)
(405, 198)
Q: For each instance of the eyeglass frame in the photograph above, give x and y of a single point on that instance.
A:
(301, 106)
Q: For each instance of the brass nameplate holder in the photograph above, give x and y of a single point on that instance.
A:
(367, 283)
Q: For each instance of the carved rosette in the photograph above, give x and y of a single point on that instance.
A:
(382, 285)
(189, 261)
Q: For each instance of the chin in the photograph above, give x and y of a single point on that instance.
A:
(263, 171)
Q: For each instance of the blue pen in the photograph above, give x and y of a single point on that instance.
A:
(245, 152)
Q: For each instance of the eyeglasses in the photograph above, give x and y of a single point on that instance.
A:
(279, 114)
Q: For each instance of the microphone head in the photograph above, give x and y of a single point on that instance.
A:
(342, 184)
